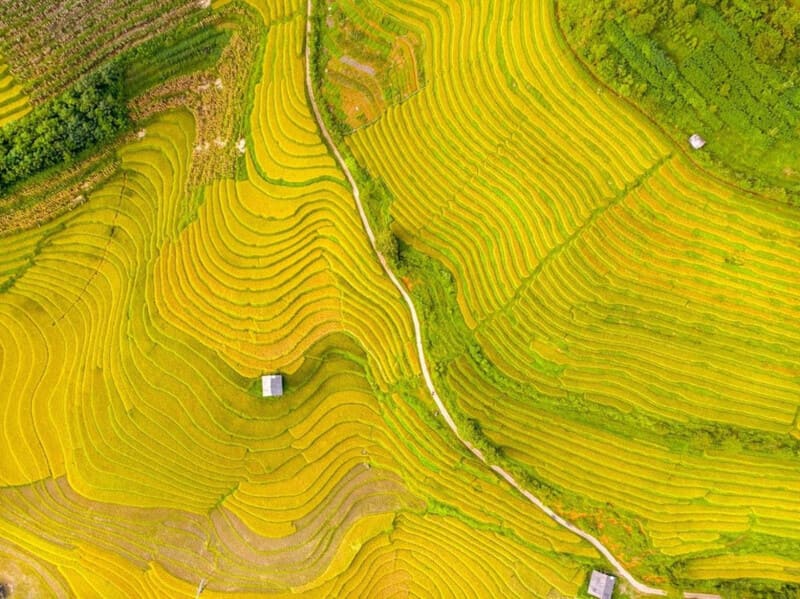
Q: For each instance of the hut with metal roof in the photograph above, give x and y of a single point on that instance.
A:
(601, 585)
(271, 385)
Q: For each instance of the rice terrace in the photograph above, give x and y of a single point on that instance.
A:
(400, 298)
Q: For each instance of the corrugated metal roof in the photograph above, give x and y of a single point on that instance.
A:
(271, 385)
(601, 585)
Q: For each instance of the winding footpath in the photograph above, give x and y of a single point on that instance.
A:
(618, 567)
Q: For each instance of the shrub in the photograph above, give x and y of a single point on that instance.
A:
(768, 45)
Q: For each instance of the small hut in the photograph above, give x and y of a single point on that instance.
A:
(271, 385)
(601, 585)
(696, 141)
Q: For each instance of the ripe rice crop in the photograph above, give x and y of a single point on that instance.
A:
(140, 459)
(616, 325)
(13, 102)
(625, 322)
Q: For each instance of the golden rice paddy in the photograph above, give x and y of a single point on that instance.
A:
(605, 279)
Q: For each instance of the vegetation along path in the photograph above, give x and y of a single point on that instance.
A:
(620, 569)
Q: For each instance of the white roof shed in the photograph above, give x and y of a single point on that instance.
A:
(271, 385)
(601, 585)
(696, 141)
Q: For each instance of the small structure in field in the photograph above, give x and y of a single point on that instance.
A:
(271, 385)
(601, 585)
(696, 141)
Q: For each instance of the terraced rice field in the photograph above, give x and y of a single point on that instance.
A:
(13, 102)
(373, 63)
(621, 328)
(636, 318)
(139, 459)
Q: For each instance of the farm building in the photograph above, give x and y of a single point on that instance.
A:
(271, 385)
(696, 141)
(601, 585)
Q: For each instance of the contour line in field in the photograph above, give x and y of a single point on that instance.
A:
(639, 586)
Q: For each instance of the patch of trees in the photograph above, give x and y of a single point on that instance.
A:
(771, 28)
(723, 68)
(84, 117)
(765, 589)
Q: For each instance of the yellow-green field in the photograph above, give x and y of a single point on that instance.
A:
(623, 329)
(13, 101)
(605, 279)
(139, 459)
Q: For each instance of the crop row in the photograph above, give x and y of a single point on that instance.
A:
(54, 46)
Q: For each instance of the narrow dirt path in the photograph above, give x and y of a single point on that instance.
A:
(618, 567)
